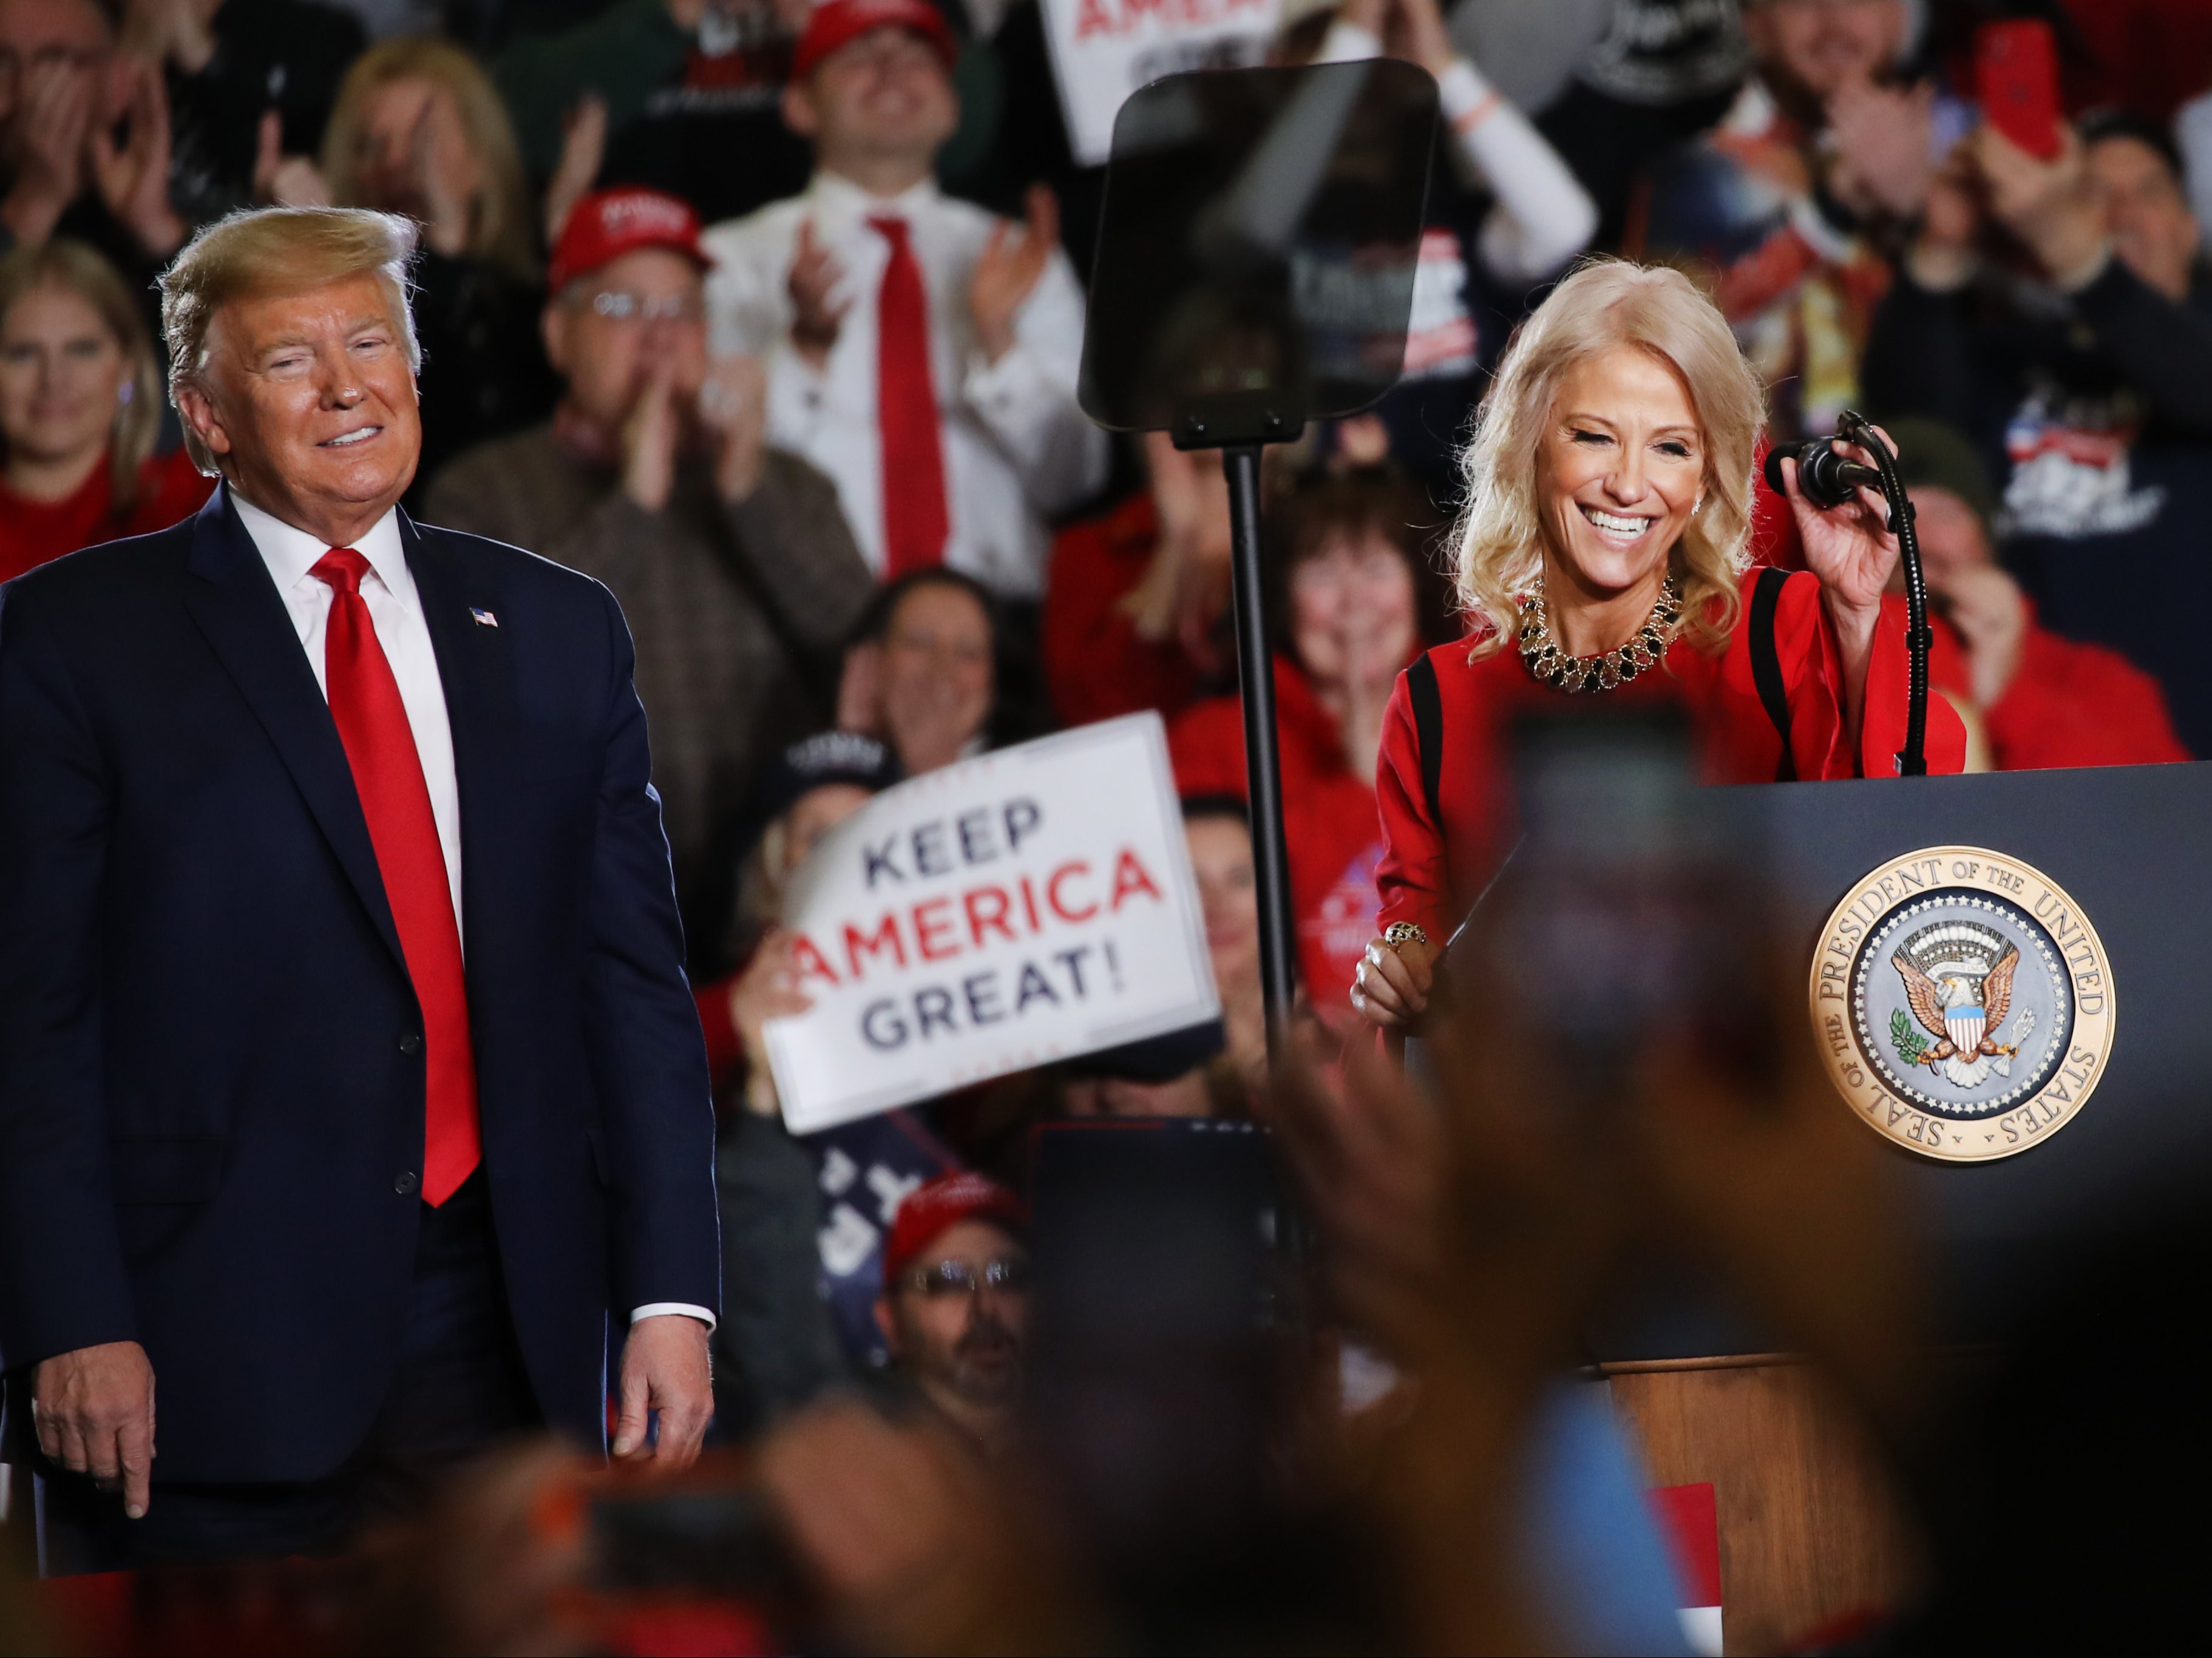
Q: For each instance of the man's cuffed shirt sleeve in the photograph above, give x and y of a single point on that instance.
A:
(678, 1308)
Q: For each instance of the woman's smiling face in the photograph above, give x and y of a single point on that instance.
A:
(1619, 470)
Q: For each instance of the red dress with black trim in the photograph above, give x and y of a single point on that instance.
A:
(1431, 872)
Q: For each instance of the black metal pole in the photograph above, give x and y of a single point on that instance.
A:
(1262, 758)
(1912, 758)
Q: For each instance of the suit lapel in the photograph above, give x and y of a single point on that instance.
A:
(474, 671)
(237, 607)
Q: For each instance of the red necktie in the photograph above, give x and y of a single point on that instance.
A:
(387, 773)
(914, 518)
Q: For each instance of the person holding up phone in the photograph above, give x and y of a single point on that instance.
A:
(1792, 199)
(1603, 556)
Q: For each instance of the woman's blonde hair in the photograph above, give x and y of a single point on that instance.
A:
(260, 252)
(78, 270)
(500, 219)
(1605, 304)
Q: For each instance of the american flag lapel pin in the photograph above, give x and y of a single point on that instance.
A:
(484, 618)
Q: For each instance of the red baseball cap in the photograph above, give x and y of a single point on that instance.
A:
(932, 1211)
(609, 223)
(836, 23)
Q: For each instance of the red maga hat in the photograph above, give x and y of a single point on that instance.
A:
(932, 1211)
(609, 223)
(836, 23)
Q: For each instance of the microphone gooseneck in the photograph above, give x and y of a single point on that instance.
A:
(1826, 480)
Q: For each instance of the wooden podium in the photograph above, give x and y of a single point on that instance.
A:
(1812, 1537)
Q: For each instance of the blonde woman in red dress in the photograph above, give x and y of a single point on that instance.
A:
(1603, 556)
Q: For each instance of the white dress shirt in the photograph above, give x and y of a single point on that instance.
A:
(395, 610)
(1016, 445)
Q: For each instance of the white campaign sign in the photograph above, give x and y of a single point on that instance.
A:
(1104, 50)
(1023, 907)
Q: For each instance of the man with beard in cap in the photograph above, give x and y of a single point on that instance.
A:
(955, 1308)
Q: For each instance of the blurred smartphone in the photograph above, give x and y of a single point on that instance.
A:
(1625, 910)
(1160, 1300)
(2016, 80)
(697, 1535)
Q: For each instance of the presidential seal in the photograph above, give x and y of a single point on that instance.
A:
(1962, 1004)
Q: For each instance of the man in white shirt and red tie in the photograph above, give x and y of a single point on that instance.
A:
(351, 1089)
(921, 351)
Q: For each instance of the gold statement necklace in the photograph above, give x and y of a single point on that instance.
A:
(1607, 671)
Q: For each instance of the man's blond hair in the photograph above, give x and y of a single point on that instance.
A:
(259, 253)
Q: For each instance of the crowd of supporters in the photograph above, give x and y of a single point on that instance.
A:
(770, 316)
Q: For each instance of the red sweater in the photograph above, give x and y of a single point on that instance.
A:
(1329, 820)
(32, 533)
(1432, 870)
(2069, 704)
(1096, 666)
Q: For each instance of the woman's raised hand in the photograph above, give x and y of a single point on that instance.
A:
(1853, 550)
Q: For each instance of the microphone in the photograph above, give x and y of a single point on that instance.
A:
(1826, 478)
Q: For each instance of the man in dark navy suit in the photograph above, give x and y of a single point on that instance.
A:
(350, 1086)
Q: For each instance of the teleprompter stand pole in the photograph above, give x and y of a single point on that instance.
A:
(1240, 427)
(1263, 753)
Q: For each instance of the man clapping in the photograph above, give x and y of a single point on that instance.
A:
(920, 351)
(730, 559)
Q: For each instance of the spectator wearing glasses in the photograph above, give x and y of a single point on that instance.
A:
(920, 351)
(80, 410)
(955, 1308)
(730, 558)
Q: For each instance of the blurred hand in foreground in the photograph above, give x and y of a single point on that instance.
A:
(1471, 1234)
(914, 1543)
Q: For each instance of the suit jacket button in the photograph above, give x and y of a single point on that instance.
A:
(412, 1044)
(406, 1183)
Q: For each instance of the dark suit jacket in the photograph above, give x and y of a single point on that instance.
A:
(212, 1081)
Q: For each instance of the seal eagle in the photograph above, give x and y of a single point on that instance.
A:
(1964, 1016)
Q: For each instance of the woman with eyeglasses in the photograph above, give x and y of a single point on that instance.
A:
(1344, 577)
(80, 411)
(1602, 556)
